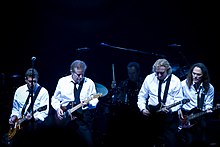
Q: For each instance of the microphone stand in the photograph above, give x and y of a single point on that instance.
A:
(32, 94)
(132, 50)
(114, 87)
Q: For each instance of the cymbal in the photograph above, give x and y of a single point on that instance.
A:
(101, 89)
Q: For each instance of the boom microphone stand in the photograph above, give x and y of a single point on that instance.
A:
(131, 50)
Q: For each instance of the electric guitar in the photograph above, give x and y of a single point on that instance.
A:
(17, 126)
(161, 107)
(192, 115)
(68, 111)
(184, 101)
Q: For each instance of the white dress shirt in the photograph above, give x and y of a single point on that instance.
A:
(20, 97)
(64, 93)
(149, 92)
(192, 95)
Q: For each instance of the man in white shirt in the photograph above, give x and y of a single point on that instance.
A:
(76, 90)
(154, 103)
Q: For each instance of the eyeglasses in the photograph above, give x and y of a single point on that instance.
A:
(160, 73)
(78, 74)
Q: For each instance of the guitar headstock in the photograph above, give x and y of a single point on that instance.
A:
(97, 95)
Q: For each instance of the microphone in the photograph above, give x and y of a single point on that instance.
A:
(33, 58)
(82, 48)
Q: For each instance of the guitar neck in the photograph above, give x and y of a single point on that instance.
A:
(172, 105)
(20, 121)
(24, 118)
(168, 107)
(79, 105)
(196, 115)
(200, 114)
(184, 101)
(84, 103)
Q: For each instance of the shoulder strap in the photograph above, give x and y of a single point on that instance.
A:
(37, 92)
(166, 89)
(35, 96)
(25, 105)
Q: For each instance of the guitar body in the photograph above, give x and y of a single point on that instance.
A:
(17, 127)
(7, 139)
(73, 111)
(192, 117)
(12, 132)
(187, 121)
(67, 115)
(20, 124)
(154, 109)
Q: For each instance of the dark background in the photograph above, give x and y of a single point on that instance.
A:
(53, 30)
(136, 30)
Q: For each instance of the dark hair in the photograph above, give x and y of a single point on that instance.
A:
(135, 65)
(31, 72)
(205, 76)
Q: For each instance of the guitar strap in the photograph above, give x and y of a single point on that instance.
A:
(27, 100)
(155, 108)
(159, 90)
(166, 90)
(25, 105)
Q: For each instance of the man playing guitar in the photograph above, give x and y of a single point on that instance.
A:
(198, 89)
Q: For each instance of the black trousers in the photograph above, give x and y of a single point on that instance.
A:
(195, 135)
(161, 130)
(27, 135)
(82, 128)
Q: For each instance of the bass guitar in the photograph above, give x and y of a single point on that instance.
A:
(188, 122)
(184, 101)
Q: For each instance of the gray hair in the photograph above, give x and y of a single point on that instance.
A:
(79, 65)
(162, 62)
